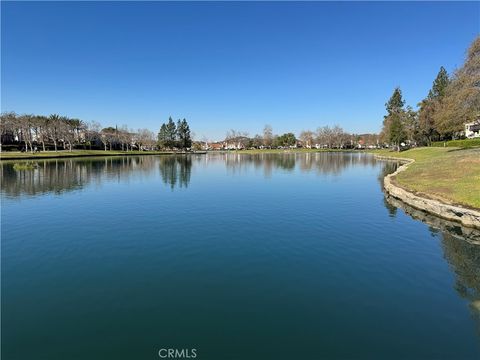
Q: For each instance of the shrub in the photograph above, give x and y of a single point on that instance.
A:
(466, 143)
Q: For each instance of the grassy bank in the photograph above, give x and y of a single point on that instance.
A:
(16, 155)
(451, 175)
(465, 143)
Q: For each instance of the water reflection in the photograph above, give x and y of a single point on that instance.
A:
(461, 248)
(62, 175)
(388, 168)
(175, 170)
(436, 224)
(320, 162)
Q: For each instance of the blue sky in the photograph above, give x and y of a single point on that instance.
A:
(222, 65)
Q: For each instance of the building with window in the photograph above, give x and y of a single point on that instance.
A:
(472, 130)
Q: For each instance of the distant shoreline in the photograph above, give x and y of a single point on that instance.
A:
(76, 154)
(90, 153)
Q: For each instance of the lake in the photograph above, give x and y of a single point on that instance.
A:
(270, 256)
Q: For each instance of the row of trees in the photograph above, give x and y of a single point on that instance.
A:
(30, 129)
(323, 137)
(55, 131)
(240, 139)
(452, 102)
(334, 137)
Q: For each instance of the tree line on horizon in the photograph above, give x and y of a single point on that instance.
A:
(327, 137)
(55, 132)
(452, 102)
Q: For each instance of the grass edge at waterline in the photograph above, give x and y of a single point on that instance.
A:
(450, 175)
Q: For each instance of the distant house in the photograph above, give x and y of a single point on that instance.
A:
(215, 146)
(472, 130)
(236, 143)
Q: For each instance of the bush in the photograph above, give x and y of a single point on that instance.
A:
(11, 147)
(466, 143)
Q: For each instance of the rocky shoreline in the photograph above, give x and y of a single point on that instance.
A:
(465, 216)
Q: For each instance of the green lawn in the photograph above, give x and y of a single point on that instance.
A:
(465, 143)
(451, 175)
(66, 153)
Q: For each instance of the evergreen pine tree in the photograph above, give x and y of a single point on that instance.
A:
(171, 131)
(162, 136)
(394, 127)
(395, 103)
(439, 84)
(184, 136)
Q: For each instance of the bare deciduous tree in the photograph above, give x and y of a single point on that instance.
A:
(307, 137)
(267, 136)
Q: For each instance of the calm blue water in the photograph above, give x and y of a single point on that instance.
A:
(289, 256)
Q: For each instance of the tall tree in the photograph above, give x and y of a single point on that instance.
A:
(144, 138)
(439, 84)
(92, 133)
(426, 125)
(109, 137)
(41, 123)
(411, 125)
(267, 136)
(53, 126)
(25, 123)
(461, 102)
(171, 132)
(396, 102)
(397, 132)
(162, 136)
(184, 136)
(307, 138)
(393, 123)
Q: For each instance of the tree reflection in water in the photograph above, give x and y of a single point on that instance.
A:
(461, 245)
(388, 168)
(63, 175)
(461, 249)
(320, 162)
(176, 170)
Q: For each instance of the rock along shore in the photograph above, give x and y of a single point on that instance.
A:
(467, 217)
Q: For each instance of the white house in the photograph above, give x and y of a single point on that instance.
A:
(472, 130)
